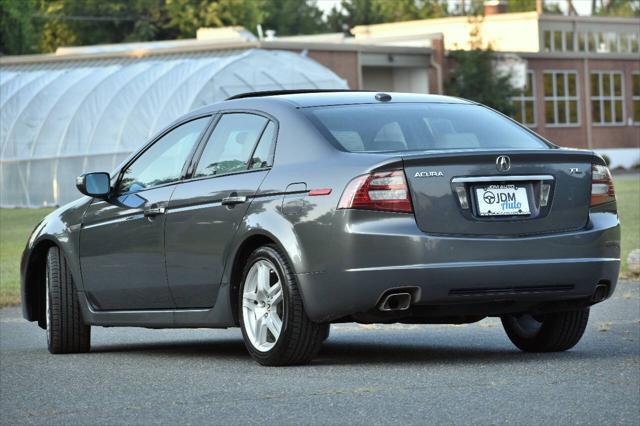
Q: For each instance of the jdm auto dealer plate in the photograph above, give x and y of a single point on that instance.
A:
(502, 200)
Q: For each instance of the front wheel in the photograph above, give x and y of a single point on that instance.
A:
(275, 327)
(66, 330)
(553, 332)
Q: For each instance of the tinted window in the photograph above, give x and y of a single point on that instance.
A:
(262, 155)
(163, 161)
(230, 144)
(411, 127)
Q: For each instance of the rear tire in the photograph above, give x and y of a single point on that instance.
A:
(552, 332)
(295, 339)
(66, 330)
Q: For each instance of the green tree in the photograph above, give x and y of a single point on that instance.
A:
(290, 17)
(407, 10)
(184, 17)
(474, 77)
(514, 6)
(82, 22)
(354, 12)
(628, 8)
(366, 12)
(16, 27)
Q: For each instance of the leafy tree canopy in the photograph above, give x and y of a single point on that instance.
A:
(290, 17)
(367, 12)
(616, 7)
(31, 26)
(474, 77)
(16, 27)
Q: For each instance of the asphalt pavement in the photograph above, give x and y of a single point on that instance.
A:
(373, 374)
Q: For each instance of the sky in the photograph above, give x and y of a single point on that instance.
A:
(583, 7)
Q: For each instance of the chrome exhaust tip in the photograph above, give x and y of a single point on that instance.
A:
(395, 302)
(601, 292)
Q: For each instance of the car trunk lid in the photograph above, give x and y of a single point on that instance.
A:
(507, 193)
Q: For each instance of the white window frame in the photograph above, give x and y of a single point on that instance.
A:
(608, 97)
(523, 98)
(633, 99)
(555, 98)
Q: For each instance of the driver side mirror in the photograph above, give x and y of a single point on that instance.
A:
(96, 184)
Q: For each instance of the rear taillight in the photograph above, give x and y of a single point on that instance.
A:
(386, 191)
(601, 185)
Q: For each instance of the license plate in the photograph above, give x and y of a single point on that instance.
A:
(502, 200)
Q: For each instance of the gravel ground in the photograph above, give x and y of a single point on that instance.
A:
(400, 374)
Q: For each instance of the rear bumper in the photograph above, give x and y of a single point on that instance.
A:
(376, 256)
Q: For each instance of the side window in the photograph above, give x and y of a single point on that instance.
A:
(262, 155)
(230, 144)
(163, 161)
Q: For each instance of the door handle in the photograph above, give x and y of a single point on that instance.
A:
(233, 200)
(154, 210)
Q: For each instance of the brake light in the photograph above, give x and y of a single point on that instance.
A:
(386, 191)
(601, 185)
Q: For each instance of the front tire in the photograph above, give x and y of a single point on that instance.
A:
(553, 332)
(66, 330)
(275, 327)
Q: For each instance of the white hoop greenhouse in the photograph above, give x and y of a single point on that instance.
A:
(61, 118)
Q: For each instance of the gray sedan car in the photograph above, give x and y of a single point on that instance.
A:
(284, 212)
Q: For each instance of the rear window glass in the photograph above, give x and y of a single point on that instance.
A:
(418, 127)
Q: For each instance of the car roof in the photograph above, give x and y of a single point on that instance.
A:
(319, 97)
(311, 98)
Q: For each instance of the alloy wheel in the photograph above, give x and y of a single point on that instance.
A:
(263, 305)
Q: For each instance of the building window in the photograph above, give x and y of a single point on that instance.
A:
(568, 41)
(624, 42)
(558, 41)
(524, 104)
(607, 99)
(561, 98)
(611, 40)
(582, 42)
(593, 41)
(547, 41)
(635, 78)
(633, 43)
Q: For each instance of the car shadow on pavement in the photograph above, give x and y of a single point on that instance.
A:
(365, 353)
(223, 348)
(334, 353)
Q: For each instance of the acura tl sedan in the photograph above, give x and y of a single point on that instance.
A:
(283, 212)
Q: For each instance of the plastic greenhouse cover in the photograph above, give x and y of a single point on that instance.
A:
(61, 119)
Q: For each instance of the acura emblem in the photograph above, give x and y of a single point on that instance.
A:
(503, 163)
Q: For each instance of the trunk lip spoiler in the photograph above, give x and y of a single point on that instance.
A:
(553, 155)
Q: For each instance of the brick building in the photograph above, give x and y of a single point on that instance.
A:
(582, 73)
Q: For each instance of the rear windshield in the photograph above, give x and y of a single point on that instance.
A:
(416, 126)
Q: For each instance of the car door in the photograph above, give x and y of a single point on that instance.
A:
(122, 238)
(205, 211)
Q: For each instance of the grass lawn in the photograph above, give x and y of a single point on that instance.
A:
(628, 195)
(16, 224)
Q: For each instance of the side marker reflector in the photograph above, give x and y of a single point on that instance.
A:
(321, 191)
